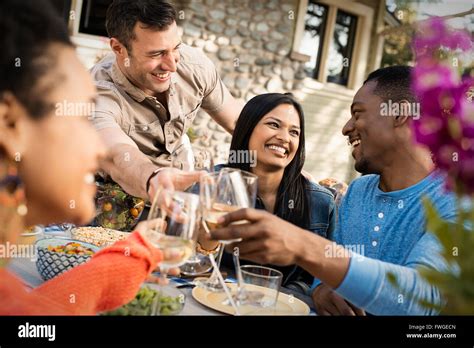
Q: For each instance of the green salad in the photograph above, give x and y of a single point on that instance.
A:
(150, 302)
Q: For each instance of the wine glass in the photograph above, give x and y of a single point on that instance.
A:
(172, 227)
(191, 157)
(221, 193)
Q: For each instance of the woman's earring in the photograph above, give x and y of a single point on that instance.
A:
(12, 194)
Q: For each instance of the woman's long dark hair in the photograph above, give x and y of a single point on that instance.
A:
(291, 202)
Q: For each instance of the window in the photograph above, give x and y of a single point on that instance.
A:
(93, 17)
(340, 51)
(332, 39)
(313, 37)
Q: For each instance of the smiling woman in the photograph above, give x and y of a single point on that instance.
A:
(271, 126)
(47, 163)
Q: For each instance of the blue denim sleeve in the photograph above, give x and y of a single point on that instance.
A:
(333, 231)
(316, 282)
(332, 219)
(367, 284)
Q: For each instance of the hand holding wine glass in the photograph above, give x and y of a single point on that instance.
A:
(221, 193)
(172, 227)
(189, 157)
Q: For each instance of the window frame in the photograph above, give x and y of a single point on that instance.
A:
(83, 39)
(360, 52)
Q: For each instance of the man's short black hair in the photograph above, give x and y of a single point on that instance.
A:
(28, 28)
(393, 83)
(122, 15)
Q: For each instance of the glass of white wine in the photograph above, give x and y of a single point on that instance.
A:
(190, 157)
(221, 193)
(172, 227)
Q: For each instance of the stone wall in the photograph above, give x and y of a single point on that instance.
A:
(250, 43)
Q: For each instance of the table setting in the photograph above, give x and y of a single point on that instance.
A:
(175, 222)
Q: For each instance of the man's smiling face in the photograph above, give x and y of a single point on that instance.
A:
(370, 135)
(152, 59)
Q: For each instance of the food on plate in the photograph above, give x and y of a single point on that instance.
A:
(98, 235)
(30, 235)
(71, 248)
(150, 302)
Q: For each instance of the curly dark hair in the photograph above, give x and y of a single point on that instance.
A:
(122, 15)
(29, 29)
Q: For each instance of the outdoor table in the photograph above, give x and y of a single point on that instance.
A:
(25, 269)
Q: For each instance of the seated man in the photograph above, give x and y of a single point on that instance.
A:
(381, 216)
(150, 89)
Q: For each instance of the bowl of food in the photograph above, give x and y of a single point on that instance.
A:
(58, 255)
(151, 301)
(116, 209)
(98, 236)
(30, 236)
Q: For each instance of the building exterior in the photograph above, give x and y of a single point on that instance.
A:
(320, 50)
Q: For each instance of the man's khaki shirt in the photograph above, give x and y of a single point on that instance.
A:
(120, 104)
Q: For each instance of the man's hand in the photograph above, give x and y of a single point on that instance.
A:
(268, 239)
(265, 239)
(174, 179)
(327, 302)
(205, 240)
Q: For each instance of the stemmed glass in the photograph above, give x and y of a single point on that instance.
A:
(221, 193)
(172, 227)
(190, 157)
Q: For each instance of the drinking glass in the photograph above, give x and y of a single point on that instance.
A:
(221, 193)
(190, 157)
(172, 227)
(262, 285)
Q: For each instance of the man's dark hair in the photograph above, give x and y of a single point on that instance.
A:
(393, 83)
(28, 28)
(122, 15)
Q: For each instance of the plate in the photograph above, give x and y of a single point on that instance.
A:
(286, 304)
(99, 236)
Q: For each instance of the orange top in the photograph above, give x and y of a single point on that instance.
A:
(110, 279)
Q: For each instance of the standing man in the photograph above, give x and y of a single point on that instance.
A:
(149, 91)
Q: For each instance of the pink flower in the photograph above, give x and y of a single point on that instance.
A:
(428, 74)
(434, 34)
(457, 40)
(431, 32)
(446, 125)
